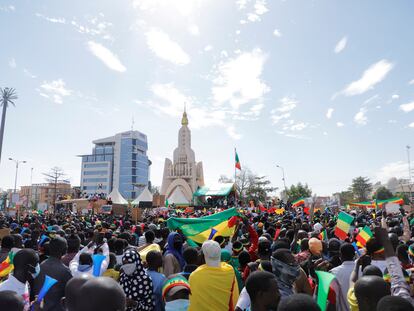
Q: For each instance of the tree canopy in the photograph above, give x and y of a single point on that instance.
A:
(298, 191)
(361, 188)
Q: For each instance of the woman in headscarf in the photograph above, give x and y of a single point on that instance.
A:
(135, 282)
(174, 261)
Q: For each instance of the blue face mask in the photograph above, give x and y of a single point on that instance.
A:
(83, 268)
(36, 273)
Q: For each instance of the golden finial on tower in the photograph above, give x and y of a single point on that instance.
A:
(184, 120)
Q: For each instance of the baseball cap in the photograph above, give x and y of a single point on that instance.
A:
(212, 253)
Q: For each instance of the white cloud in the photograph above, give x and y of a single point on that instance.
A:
(407, 107)
(94, 26)
(276, 118)
(106, 56)
(371, 99)
(325, 133)
(340, 46)
(256, 10)
(208, 48)
(165, 48)
(238, 80)
(27, 73)
(411, 82)
(7, 8)
(194, 30)
(173, 104)
(360, 117)
(183, 7)
(395, 96)
(277, 33)
(329, 113)
(12, 63)
(292, 126)
(392, 121)
(371, 76)
(55, 90)
(397, 169)
(231, 131)
(260, 7)
(56, 20)
(287, 104)
(411, 125)
(340, 124)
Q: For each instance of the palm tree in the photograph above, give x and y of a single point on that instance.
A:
(8, 95)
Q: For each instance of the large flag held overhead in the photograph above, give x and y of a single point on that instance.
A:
(342, 225)
(364, 235)
(237, 161)
(206, 228)
(298, 202)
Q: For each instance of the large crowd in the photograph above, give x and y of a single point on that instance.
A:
(271, 262)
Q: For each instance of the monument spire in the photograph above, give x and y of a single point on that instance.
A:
(184, 120)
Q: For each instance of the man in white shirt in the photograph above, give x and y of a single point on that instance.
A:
(343, 272)
(26, 267)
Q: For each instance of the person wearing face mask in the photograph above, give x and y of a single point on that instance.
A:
(26, 268)
(286, 270)
(173, 260)
(136, 283)
(54, 268)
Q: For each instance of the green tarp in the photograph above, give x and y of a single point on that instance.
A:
(219, 191)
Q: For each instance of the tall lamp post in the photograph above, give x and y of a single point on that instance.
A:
(283, 178)
(17, 169)
(409, 171)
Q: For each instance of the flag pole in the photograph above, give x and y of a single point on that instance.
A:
(235, 188)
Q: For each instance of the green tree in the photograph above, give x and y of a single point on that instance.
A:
(298, 191)
(259, 188)
(361, 188)
(383, 193)
(250, 186)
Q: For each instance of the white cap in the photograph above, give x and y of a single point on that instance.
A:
(212, 253)
(317, 227)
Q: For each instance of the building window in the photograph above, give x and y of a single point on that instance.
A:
(90, 165)
(95, 180)
(95, 172)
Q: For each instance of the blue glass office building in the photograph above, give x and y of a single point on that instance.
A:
(117, 162)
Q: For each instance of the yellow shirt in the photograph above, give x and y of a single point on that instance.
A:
(213, 288)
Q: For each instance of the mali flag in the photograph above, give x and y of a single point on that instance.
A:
(299, 202)
(238, 165)
(323, 235)
(342, 225)
(206, 228)
(364, 235)
(7, 265)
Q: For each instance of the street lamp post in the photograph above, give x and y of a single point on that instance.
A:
(283, 178)
(409, 171)
(17, 169)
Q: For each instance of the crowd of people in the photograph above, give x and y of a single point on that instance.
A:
(269, 262)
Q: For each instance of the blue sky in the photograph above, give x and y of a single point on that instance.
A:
(323, 88)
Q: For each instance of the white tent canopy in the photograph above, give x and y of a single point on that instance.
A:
(177, 197)
(116, 197)
(145, 196)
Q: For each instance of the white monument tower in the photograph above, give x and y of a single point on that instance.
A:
(184, 175)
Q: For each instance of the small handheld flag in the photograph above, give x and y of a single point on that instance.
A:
(342, 225)
(364, 235)
(47, 284)
(325, 280)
